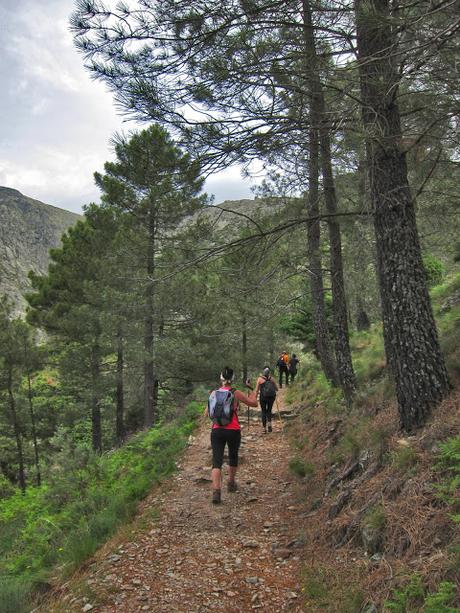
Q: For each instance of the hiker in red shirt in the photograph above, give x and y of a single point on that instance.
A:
(226, 430)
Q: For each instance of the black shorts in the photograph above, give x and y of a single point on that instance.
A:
(220, 437)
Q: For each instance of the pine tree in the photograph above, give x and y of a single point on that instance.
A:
(156, 185)
(69, 304)
(411, 340)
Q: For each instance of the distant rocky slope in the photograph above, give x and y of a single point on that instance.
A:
(28, 229)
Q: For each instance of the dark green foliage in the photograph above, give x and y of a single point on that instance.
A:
(298, 323)
(457, 252)
(413, 597)
(449, 465)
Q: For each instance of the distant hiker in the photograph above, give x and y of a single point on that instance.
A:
(267, 388)
(282, 366)
(293, 366)
(223, 410)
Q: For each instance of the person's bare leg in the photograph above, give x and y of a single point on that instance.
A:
(231, 485)
(216, 476)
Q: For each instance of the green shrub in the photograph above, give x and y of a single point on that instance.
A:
(407, 597)
(412, 597)
(440, 601)
(434, 270)
(449, 463)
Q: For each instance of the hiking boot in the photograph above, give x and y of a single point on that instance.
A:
(216, 497)
(232, 486)
(269, 428)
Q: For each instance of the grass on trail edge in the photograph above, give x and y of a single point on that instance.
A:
(59, 525)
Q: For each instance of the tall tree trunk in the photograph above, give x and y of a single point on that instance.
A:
(149, 370)
(339, 303)
(318, 118)
(96, 397)
(323, 341)
(120, 419)
(34, 427)
(244, 347)
(411, 340)
(17, 430)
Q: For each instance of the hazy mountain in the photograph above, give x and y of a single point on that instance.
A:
(28, 229)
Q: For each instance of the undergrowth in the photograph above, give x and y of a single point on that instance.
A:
(412, 596)
(62, 523)
(369, 432)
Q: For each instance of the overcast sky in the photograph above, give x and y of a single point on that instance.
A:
(57, 122)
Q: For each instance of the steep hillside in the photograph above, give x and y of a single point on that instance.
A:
(28, 229)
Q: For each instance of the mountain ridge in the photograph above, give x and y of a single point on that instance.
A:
(29, 228)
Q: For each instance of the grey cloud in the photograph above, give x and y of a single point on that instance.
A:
(56, 122)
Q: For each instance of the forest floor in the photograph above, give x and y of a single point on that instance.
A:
(184, 554)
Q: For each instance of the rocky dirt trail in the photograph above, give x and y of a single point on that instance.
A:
(184, 554)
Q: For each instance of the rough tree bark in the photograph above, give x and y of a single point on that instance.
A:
(318, 117)
(411, 340)
(339, 303)
(322, 338)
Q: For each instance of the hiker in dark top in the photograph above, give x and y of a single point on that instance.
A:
(267, 388)
(283, 370)
(293, 366)
(229, 435)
